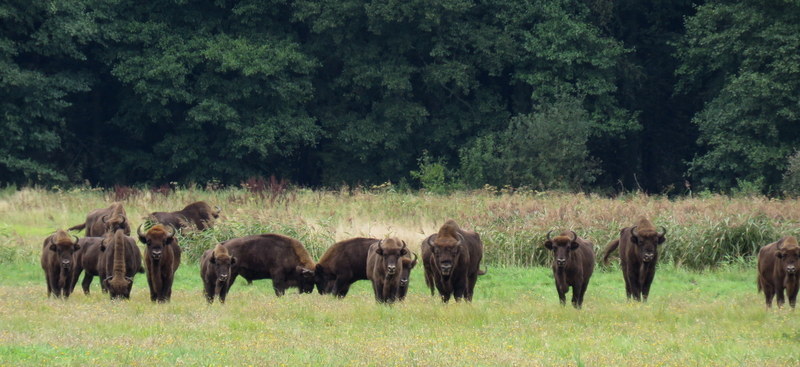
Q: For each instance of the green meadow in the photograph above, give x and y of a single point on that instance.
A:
(703, 308)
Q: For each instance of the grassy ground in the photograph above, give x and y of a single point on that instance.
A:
(708, 317)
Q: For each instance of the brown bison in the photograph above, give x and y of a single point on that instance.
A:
(638, 255)
(384, 266)
(272, 256)
(405, 275)
(57, 262)
(87, 260)
(215, 270)
(198, 214)
(162, 257)
(452, 259)
(119, 263)
(777, 270)
(573, 264)
(102, 221)
(342, 265)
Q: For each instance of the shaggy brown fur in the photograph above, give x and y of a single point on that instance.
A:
(161, 258)
(272, 256)
(215, 270)
(102, 221)
(405, 275)
(343, 264)
(57, 263)
(573, 264)
(777, 270)
(384, 266)
(199, 214)
(638, 255)
(119, 263)
(87, 259)
(452, 259)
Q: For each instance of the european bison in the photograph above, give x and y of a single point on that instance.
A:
(162, 258)
(573, 264)
(777, 270)
(198, 213)
(102, 221)
(452, 259)
(342, 265)
(384, 266)
(87, 260)
(119, 263)
(273, 256)
(215, 270)
(57, 262)
(405, 275)
(638, 255)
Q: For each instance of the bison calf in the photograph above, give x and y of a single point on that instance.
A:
(573, 264)
(777, 270)
(638, 255)
(215, 270)
(384, 266)
(57, 263)
(405, 275)
(161, 258)
(341, 265)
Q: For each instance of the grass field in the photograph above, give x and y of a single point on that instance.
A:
(702, 313)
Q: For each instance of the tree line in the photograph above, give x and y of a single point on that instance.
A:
(594, 95)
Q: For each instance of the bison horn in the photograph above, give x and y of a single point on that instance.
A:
(460, 237)
(172, 233)
(218, 208)
(76, 238)
(379, 245)
(574, 236)
(548, 234)
(104, 218)
(139, 231)
(633, 231)
(415, 256)
(663, 233)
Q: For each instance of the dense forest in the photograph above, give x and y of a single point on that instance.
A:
(593, 95)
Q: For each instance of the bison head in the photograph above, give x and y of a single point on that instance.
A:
(405, 274)
(222, 263)
(118, 283)
(64, 246)
(324, 279)
(788, 254)
(446, 251)
(646, 240)
(391, 252)
(561, 247)
(305, 279)
(156, 239)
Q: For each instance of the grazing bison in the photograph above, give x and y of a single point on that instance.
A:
(452, 259)
(342, 265)
(102, 221)
(777, 270)
(87, 260)
(573, 264)
(638, 255)
(119, 263)
(57, 263)
(280, 258)
(405, 275)
(215, 270)
(161, 258)
(198, 213)
(384, 266)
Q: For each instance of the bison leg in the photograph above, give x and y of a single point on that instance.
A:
(279, 285)
(87, 282)
(647, 274)
(634, 288)
(779, 294)
(473, 278)
(209, 289)
(223, 292)
(340, 287)
(577, 290)
(625, 271)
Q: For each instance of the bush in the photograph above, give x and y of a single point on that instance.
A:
(791, 177)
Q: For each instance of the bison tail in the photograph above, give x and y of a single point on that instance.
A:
(609, 249)
(77, 227)
(758, 283)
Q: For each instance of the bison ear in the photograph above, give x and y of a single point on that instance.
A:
(779, 254)
(379, 251)
(53, 247)
(573, 245)
(403, 252)
(661, 239)
(77, 247)
(548, 244)
(319, 268)
(212, 259)
(102, 248)
(634, 239)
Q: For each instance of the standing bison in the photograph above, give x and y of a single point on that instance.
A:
(101, 221)
(342, 265)
(215, 270)
(272, 256)
(162, 258)
(198, 214)
(87, 260)
(638, 255)
(405, 275)
(57, 263)
(573, 264)
(384, 266)
(119, 263)
(452, 259)
(777, 270)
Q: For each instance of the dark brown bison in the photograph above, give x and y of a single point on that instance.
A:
(87, 260)
(384, 266)
(343, 264)
(215, 270)
(573, 264)
(119, 263)
(102, 221)
(199, 214)
(777, 270)
(57, 262)
(638, 255)
(452, 259)
(405, 275)
(162, 257)
(272, 256)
